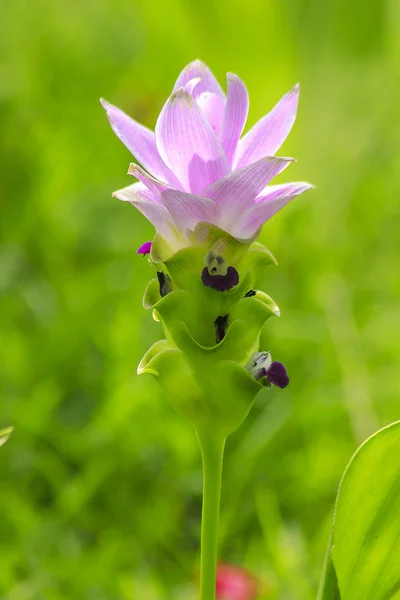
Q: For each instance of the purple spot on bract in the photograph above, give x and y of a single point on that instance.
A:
(165, 283)
(221, 325)
(277, 375)
(220, 283)
(144, 249)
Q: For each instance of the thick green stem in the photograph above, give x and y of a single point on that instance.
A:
(212, 449)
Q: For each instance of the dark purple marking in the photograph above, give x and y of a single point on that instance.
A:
(221, 325)
(220, 283)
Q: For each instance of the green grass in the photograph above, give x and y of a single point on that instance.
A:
(101, 481)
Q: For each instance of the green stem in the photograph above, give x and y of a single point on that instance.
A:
(212, 449)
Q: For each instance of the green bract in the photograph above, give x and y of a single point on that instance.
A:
(209, 334)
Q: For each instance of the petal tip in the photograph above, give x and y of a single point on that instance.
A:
(307, 186)
(133, 170)
(231, 77)
(285, 159)
(181, 95)
(106, 105)
(119, 196)
(200, 64)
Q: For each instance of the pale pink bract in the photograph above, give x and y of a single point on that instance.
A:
(196, 167)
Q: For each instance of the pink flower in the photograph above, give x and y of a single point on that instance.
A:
(234, 583)
(198, 168)
(144, 249)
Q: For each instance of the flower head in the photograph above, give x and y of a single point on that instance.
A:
(197, 167)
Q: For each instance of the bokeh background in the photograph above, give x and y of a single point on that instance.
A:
(100, 485)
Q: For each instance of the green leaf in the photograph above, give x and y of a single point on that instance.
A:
(5, 434)
(328, 588)
(366, 529)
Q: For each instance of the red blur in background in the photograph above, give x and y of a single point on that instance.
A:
(234, 583)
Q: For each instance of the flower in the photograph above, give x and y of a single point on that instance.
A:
(218, 274)
(261, 367)
(144, 249)
(197, 167)
(234, 583)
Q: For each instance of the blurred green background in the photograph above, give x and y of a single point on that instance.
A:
(100, 485)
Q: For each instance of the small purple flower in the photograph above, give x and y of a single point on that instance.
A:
(144, 249)
(277, 374)
(217, 274)
(261, 367)
(198, 168)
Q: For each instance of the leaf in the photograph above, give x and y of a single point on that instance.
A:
(366, 528)
(328, 588)
(5, 434)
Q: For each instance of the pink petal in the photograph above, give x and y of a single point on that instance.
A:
(190, 85)
(144, 200)
(187, 209)
(140, 141)
(267, 205)
(208, 82)
(237, 191)
(187, 143)
(268, 135)
(272, 192)
(154, 185)
(236, 110)
(134, 192)
(213, 108)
